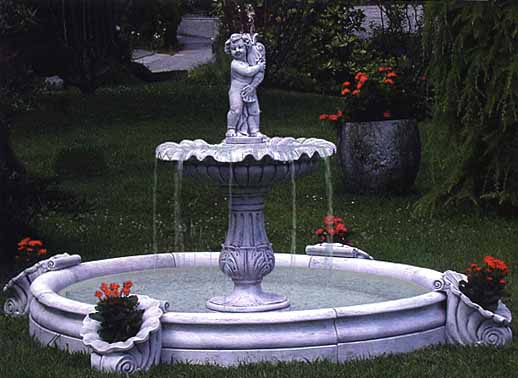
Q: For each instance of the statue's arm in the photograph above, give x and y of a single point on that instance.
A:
(246, 70)
(258, 78)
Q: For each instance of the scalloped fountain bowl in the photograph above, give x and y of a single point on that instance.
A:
(341, 308)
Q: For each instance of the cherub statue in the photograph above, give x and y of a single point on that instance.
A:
(247, 72)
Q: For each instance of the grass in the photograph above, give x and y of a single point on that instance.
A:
(110, 214)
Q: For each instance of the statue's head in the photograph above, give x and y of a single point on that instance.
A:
(237, 45)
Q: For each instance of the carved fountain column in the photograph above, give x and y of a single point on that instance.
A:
(247, 256)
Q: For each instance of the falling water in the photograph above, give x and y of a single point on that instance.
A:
(191, 236)
(329, 186)
(329, 193)
(155, 181)
(230, 179)
(293, 213)
(178, 229)
(228, 281)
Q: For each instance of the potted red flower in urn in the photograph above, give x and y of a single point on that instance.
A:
(379, 148)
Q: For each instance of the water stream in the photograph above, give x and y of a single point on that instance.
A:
(293, 248)
(330, 211)
(155, 183)
(329, 186)
(178, 227)
(228, 284)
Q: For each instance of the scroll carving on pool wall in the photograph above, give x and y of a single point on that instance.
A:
(18, 288)
(467, 323)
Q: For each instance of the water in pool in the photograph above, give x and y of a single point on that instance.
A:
(188, 288)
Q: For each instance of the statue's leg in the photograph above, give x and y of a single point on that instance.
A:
(234, 114)
(242, 125)
(254, 119)
(232, 119)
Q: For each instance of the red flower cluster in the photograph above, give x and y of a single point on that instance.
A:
(486, 284)
(334, 230)
(331, 117)
(112, 290)
(361, 78)
(30, 250)
(496, 264)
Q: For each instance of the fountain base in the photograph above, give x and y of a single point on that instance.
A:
(248, 298)
(245, 139)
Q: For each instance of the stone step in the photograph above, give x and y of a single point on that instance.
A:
(199, 26)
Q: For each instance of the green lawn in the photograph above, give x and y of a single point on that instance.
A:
(110, 215)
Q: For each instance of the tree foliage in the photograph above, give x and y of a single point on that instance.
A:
(18, 86)
(474, 71)
(310, 43)
(83, 40)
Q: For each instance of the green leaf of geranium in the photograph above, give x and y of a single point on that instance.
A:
(97, 316)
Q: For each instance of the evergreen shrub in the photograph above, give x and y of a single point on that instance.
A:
(474, 70)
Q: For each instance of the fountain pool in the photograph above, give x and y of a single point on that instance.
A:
(374, 319)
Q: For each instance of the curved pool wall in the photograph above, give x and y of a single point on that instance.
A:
(337, 334)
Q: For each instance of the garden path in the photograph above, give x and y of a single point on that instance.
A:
(195, 36)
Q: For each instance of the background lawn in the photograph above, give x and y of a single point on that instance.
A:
(111, 214)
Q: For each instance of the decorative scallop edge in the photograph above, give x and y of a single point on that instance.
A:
(280, 149)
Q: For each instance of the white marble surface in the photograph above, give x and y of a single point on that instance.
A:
(279, 149)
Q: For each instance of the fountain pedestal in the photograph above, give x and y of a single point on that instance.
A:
(247, 256)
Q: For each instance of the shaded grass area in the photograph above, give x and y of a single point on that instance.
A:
(111, 214)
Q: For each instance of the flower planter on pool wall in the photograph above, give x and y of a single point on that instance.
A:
(378, 157)
(138, 353)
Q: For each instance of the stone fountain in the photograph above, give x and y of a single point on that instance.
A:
(377, 307)
(249, 163)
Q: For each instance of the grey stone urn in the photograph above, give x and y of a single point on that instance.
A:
(379, 157)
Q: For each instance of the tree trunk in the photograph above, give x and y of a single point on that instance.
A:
(14, 205)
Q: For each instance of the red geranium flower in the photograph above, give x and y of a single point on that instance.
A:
(480, 286)
(340, 227)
